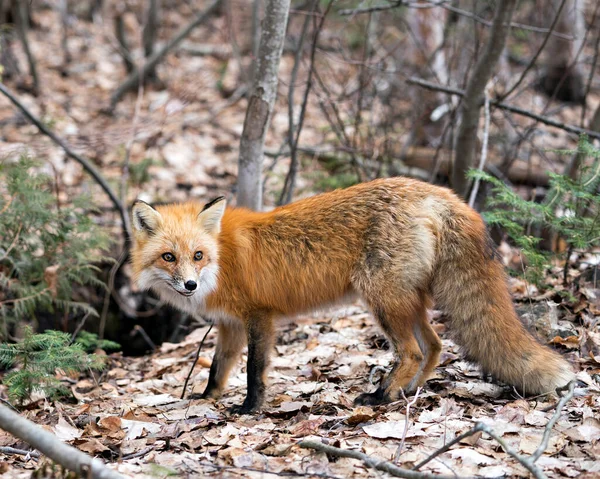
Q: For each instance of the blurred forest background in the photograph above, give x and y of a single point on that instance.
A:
(103, 102)
(365, 90)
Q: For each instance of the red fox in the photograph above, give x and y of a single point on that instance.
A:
(399, 244)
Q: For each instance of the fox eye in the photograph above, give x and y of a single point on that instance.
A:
(198, 255)
(168, 257)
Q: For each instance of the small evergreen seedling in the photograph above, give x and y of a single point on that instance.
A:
(36, 360)
(45, 249)
(90, 342)
(571, 210)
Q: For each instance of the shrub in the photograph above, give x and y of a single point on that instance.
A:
(45, 249)
(571, 210)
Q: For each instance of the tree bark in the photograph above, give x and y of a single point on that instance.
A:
(563, 76)
(260, 105)
(150, 32)
(49, 445)
(473, 99)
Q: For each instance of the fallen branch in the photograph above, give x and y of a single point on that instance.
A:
(513, 109)
(373, 462)
(528, 462)
(95, 174)
(49, 445)
(18, 452)
(150, 64)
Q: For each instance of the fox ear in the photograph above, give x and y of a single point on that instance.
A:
(145, 219)
(211, 214)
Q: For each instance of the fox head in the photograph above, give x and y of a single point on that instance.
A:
(175, 250)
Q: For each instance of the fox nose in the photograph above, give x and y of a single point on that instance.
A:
(190, 285)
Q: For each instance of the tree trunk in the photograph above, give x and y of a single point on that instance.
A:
(473, 99)
(260, 105)
(150, 32)
(563, 77)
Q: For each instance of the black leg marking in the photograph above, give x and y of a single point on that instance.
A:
(259, 342)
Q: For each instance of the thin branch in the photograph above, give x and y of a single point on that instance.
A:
(471, 432)
(290, 180)
(484, 148)
(187, 380)
(373, 462)
(152, 61)
(471, 103)
(406, 422)
(95, 174)
(19, 452)
(529, 462)
(49, 445)
(537, 54)
(448, 6)
(504, 106)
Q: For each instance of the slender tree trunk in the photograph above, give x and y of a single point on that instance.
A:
(473, 99)
(260, 105)
(563, 76)
(21, 16)
(150, 32)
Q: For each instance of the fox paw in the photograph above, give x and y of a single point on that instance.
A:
(372, 399)
(239, 409)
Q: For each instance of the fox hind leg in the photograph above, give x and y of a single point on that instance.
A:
(416, 346)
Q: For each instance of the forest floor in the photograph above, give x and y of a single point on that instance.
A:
(133, 414)
(183, 144)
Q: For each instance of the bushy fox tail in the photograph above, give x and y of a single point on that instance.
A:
(470, 285)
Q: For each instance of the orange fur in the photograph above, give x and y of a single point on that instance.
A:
(398, 243)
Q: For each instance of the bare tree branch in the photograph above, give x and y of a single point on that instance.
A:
(48, 444)
(448, 6)
(472, 100)
(132, 80)
(504, 106)
(260, 104)
(529, 462)
(537, 54)
(484, 148)
(95, 174)
(373, 462)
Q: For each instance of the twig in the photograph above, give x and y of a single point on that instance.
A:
(504, 106)
(158, 55)
(263, 471)
(18, 452)
(406, 422)
(49, 445)
(448, 6)
(570, 388)
(529, 462)
(474, 93)
(290, 180)
(537, 54)
(484, 148)
(137, 329)
(187, 380)
(370, 461)
(478, 428)
(78, 158)
(78, 328)
(141, 453)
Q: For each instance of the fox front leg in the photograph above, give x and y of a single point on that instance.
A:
(230, 342)
(260, 333)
